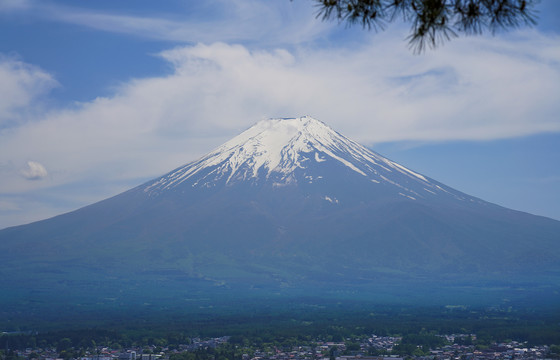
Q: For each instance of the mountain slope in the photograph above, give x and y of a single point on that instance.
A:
(289, 205)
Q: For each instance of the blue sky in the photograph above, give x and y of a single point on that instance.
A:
(99, 96)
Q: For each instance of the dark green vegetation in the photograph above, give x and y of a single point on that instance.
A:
(289, 324)
(432, 21)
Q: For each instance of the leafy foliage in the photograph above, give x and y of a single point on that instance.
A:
(432, 21)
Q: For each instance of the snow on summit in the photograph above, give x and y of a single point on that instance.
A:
(274, 149)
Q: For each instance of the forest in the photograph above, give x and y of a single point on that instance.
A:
(291, 324)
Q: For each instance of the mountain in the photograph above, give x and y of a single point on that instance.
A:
(289, 207)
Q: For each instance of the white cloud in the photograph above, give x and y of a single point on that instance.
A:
(206, 21)
(8, 206)
(14, 5)
(34, 171)
(473, 89)
(20, 86)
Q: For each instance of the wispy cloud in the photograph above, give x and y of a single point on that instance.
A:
(15, 5)
(473, 89)
(20, 85)
(247, 21)
(34, 171)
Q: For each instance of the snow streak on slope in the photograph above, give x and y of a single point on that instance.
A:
(273, 149)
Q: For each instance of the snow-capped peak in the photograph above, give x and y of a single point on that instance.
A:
(272, 145)
(278, 147)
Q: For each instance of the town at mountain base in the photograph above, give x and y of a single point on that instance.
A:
(288, 208)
